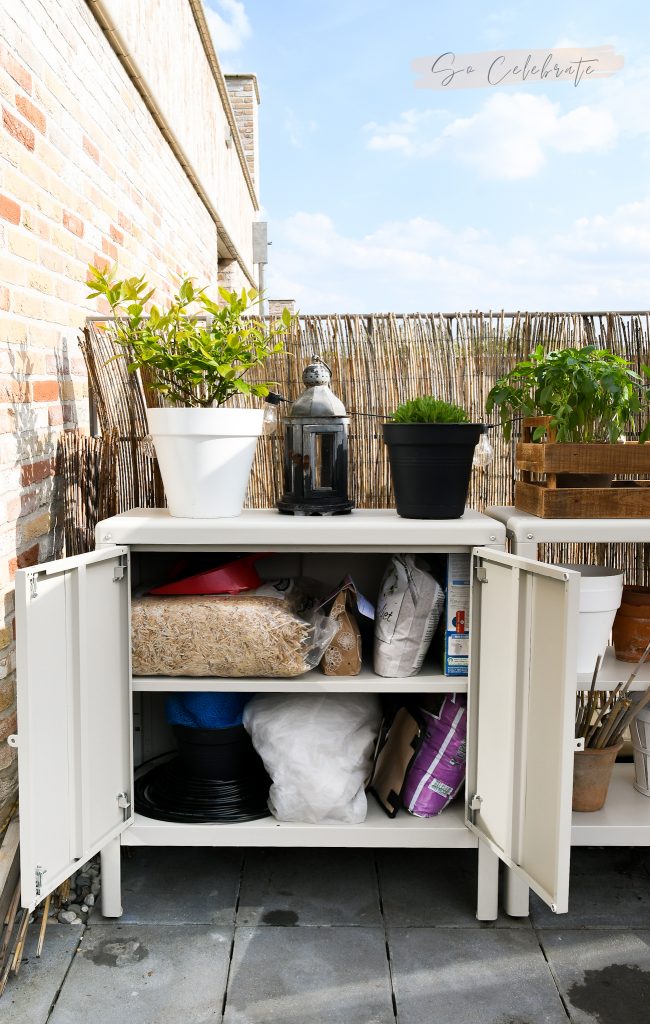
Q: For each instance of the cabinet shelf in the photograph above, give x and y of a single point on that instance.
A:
(613, 671)
(429, 680)
(623, 821)
(446, 830)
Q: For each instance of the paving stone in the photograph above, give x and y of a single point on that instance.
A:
(309, 975)
(609, 888)
(178, 885)
(465, 976)
(28, 997)
(145, 974)
(431, 888)
(603, 975)
(309, 887)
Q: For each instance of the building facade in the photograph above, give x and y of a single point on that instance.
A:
(121, 140)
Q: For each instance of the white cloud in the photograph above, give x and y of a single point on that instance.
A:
(228, 24)
(409, 133)
(509, 138)
(513, 133)
(298, 131)
(601, 262)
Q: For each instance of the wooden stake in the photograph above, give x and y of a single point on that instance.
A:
(44, 920)
(20, 945)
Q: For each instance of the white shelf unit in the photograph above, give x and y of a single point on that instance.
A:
(378, 830)
(429, 680)
(76, 693)
(625, 818)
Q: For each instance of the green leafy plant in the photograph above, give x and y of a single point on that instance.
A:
(590, 394)
(195, 351)
(428, 409)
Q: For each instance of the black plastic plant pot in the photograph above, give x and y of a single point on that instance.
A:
(216, 753)
(431, 466)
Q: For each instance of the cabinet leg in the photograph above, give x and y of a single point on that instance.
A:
(487, 908)
(516, 895)
(111, 879)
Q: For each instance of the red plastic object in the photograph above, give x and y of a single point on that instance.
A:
(232, 578)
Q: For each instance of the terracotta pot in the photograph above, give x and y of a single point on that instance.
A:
(592, 770)
(631, 630)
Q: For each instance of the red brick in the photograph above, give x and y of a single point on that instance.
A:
(32, 113)
(19, 130)
(9, 210)
(70, 414)
(27, 558)
(15, 391)
(73, 223)
(17, 72)
(55, 416)
(12, 565)
(91, 149)
(100, 262)
(109, 248)
(124, 221)
(4, 298)
(45, 391)
(116, 235)
(36, 471)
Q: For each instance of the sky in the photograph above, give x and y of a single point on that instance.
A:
(381, 196)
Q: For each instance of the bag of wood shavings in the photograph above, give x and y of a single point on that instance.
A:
(273, 631)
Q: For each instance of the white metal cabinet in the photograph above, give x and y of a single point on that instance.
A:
(625, 818)
(74, 714)
(86, 803)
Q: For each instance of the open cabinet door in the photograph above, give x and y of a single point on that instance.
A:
(74, 713)
(524, 619)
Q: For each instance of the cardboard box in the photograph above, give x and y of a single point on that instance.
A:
(455, 655)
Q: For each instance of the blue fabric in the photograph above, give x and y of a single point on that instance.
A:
(206, 710)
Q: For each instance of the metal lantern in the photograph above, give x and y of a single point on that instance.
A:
(316, 449)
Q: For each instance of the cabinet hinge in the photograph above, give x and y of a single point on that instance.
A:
(481, 574)
(38, 878)
(120, 569)
(579, 744)
(124, 802)
(33, 586)
(474, 806)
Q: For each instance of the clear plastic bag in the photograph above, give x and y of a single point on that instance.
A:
(276, 630)
(318, 751)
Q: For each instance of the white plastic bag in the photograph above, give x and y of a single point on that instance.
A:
(409, 607)
(318, 751)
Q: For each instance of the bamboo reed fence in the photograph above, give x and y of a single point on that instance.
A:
(377, 361)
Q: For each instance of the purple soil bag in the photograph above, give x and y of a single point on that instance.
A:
(438, 769)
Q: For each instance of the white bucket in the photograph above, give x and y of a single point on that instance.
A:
(640, 732)
(205, 458)
(601, 591)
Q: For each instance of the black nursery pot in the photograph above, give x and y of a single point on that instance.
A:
(215, 753)
(431, 466)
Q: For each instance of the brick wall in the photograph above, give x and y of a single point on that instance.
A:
(85, 175)
(245, 99)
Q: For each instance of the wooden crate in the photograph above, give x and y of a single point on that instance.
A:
(552, 458)
(625, 499)
(620, 501)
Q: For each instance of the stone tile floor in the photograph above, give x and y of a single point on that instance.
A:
(343, 937)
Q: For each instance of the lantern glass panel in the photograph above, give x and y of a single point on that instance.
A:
(324, 461)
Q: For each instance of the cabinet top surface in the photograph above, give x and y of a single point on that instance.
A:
(362, 528)
(523, 526)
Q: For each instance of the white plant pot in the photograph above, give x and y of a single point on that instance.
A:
(601, 591)
(205, 458)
